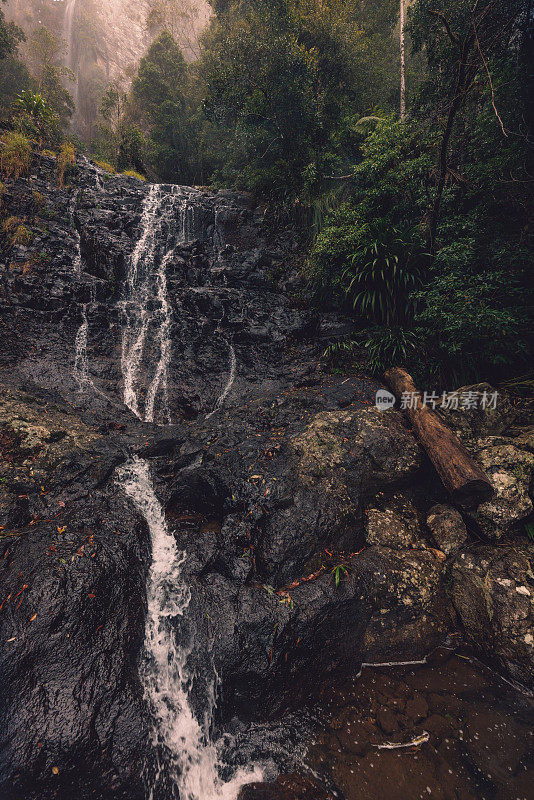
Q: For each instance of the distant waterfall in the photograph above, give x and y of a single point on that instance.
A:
(68, 35)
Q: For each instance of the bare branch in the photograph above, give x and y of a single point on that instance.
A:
(452, 36)
(490, 82)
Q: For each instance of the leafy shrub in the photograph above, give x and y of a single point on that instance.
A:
(16, 154)
(376, 349)
(35, 118)
(388, 347)
(65, 161)
(381, 274)
(131, 173)
(330, 254)
(474, 322)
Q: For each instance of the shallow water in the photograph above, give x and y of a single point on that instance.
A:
(450, 729)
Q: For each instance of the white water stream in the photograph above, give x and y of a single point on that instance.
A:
(165, 224)
(187, 759)
(81, 361)
(230, 382)
(185, 753)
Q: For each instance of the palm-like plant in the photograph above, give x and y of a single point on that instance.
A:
(380, 276)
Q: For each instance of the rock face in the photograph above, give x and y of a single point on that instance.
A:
(493, 594)
(447, 528)
(264, 465)
(394, 524)
(75, 554)
(510, 471)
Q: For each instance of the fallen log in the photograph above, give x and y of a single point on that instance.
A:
(459, 472)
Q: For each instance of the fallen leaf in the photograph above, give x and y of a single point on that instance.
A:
(55, 771)
(32, 618)
(62, 530)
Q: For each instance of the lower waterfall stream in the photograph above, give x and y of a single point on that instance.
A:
(187, 759)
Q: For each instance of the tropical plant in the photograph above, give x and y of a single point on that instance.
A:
(386, 347)
(381, 275)
(375, 349)
(338, 573)
(35, 118)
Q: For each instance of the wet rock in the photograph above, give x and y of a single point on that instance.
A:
(394, 525)
(447, 528)
(493, 594)
(510, 472)
(410, 604)
(335, 444)
(287, 787)
(474, 421)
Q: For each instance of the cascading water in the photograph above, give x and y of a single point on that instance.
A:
(81, 362)
(77, 238)
(81, 359)
(230, 382)
(187, 760)
(147, 285)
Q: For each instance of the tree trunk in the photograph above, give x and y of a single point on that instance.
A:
(454, 107)
(402, 59)
(461, 475)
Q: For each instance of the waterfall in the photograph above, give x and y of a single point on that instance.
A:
(230, 382)
(147, 284)
(68, 35)
(81, 362)
(77, 238)
(81, 359)
(164, 339)
(186, 758)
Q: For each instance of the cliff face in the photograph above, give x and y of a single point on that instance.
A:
(105, 40)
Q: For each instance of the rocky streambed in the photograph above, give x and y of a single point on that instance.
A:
(204, 534)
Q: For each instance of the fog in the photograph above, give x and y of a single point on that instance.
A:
(104, 39)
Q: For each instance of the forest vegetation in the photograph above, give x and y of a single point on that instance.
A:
(413, 203)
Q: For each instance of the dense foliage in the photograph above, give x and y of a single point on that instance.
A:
(454, 181)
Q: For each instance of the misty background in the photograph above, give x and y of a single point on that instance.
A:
(102, 41)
